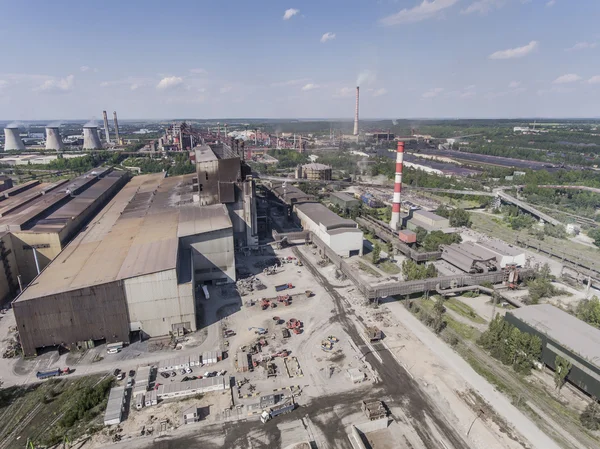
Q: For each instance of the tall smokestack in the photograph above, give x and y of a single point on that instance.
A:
(53, 139)
(116, 128)
(395, 221)
(91, 141)
(12, 140)
(356, 113)
(106, 132)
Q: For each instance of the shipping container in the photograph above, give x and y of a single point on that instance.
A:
(407, 236)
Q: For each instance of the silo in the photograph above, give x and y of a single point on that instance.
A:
(12, 140)
(91, 140)
(53, 139)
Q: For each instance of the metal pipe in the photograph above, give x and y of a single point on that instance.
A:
(37, 264)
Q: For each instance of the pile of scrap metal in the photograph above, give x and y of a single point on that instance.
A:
(248, 285)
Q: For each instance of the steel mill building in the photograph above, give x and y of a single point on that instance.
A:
(134, 269)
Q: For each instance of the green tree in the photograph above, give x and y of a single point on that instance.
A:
(562, 367)
(545, 272)
(590, 417)
(390, 250)
(421, 234)
(438, 323)
(540, 288)
(588, 310)
(376, 253)
(460, 217)
(595, 235)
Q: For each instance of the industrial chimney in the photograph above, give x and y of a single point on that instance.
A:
(91, 141)
(106, 131)
(12, 140)
(116, 128)
(53, 139)
(356, 113)
(395, 221)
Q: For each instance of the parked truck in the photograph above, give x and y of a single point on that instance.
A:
(276, 410)
(373, 334)
(48, 373)
(282, 287)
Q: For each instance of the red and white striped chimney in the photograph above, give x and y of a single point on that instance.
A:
(356, 113)
(395, 221)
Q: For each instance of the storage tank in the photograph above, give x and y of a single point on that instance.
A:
(12, 140)
(53, 139)
(91, 140)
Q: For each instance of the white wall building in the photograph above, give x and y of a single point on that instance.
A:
(505, 254)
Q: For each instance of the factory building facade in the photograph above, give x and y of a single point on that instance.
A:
(342, 235)
(343, 200)
(223, 178)
(482, 257)
(134, 270)
(566, 336)
(427, 220)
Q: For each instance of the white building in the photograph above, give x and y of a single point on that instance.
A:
(342, 235)
(505, 254)
(115, 406)
(193, 387)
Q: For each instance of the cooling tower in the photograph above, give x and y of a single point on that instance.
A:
(53, 139)
(91, 140)
(356, 113)
(395, 221)
(12, 140)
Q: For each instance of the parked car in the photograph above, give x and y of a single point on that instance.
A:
(188, 370)
(185, 379)
(117, 372)
(131, 373)
(165, 375)
(183, 372)
(173, 374)
(121, 376)
(129, 382)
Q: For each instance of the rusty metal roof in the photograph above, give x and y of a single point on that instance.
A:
(135, 234)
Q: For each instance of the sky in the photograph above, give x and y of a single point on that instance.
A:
(299, 59)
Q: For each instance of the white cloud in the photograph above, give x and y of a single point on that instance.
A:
(594, 80)
(568, 78)
(198, 71)
(344, 92)
(550, 3)
(310, 86)
(379, 92)
(84, 68)
(517, 52)
(57, 84)
(289, 13)
(514, 84)
(327, 37)
(582, 46)
(295, 82)
(483, 6)
(169, 82)
(431, 93)
(423, 11)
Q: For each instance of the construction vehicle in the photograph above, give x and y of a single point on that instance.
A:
(259, 330)
(282, 287)
(373, 333)
(326, 345)
(264, 303)
(277, 410)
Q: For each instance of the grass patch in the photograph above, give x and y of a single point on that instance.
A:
(367, 269)
(464, 310)
(389, 267)
(463, 330)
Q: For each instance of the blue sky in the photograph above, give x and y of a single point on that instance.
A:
(300, 58)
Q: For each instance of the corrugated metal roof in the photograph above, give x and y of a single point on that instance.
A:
(135, 234)
(195, 384)
(343, 196)
(114, 405)
(322, 215)
(501, 248)
(565, 329)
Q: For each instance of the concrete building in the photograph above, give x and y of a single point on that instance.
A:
(342, 235)
(427, 220)
(314, 171)
(563, 335)
(135, 269)
(36, 159)
(190, 415)
(223, 178)
(343, 200)
(505, 254)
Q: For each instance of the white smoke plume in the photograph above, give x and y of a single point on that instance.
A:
(91, 124)
(56, 124)
(14, 125)
(365, 77)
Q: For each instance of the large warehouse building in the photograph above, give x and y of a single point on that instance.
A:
(563, 335)
(38, 219)
(342, 235)
(134, 269)
(427, 220)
